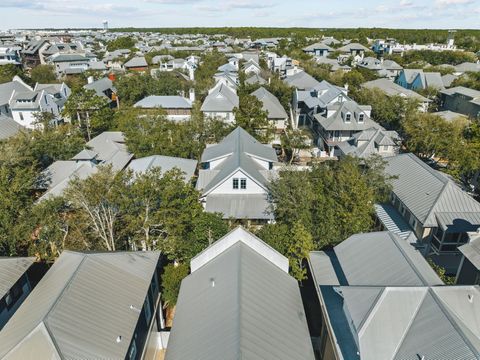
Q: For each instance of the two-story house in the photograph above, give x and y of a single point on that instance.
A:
(234, 176)
(368, 142)
(7, 90)
(377, 298)
(318, 49)
(417, 79)
(438, 212)
(276, 114)
(239, 302)
(461, 100)
(90, 305)
(220, 103)
(339, 122)
(25, 105)
(383, 68)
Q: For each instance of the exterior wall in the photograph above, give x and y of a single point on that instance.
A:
(461, 104)
(5, 110)
(46, 104)
(60, 67)
(227, 188)
(467, 274)
(227, 117)
(19, 292)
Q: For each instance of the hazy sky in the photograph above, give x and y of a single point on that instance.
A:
(281, 13)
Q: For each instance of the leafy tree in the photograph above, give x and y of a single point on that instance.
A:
(332, 201)
(294, 243)
(448, 280)
(7, 72)
(470, 80)
(293, 141)
(125, 42)
(91, 113)
(388, 111)
(97, 203)
(252, 118)
(133, 88)
(171, 280)
(282, 91)
(204, 73)
(43, 74)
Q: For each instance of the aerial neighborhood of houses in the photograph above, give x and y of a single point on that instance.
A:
(180, 195)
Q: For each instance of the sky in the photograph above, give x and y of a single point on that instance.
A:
(442, 14)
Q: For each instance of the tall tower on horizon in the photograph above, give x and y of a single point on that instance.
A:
(105, 25)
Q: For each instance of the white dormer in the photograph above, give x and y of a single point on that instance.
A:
(347, 117)
(361, 118)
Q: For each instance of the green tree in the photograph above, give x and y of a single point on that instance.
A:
(293, 141)
(7, 72)
(90, 112)
(252, 118)
(43, 74)
(124, 42)
(293, 242)
(171, 280)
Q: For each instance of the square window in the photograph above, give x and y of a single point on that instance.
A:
(235, 183)
(348, 117)
(360, 118)
(243, 183)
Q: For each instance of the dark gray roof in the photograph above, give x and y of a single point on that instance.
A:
(352, 46)
(383, 259)
(427, 192)
(11, 269)
(239, 305)
(270, 104)
(165, 102)
(317, 46)
(80, 307)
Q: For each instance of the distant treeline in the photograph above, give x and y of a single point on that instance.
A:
(467, 39)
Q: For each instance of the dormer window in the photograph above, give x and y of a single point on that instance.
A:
(348, 117)
(361, 118)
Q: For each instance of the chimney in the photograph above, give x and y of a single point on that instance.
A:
(90, 79)
(192, 95)
(191, 73)
(346, 87)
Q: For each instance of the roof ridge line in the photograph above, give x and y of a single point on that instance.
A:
(410, 324)
(447, 314)
(407, 258)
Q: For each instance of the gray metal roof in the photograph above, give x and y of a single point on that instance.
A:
(11, 269)
(440, 323)
(270, 104)
(392, 89)
(352, 46)
(7, 89)
(471, 251)
(394, 222)
(383, 259)
(302, 81)
(80, 307)
(239, 150)
(111, 149)
(255, 79)
(239, 141)
(166, 163)
(322, 269)
(239, 305)
(427, 192)
(240, 206)
(8, 127)
(100, 86)
(221, 99)
(136, 62)
(317, 46)
(337, 122)
(166, 102)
